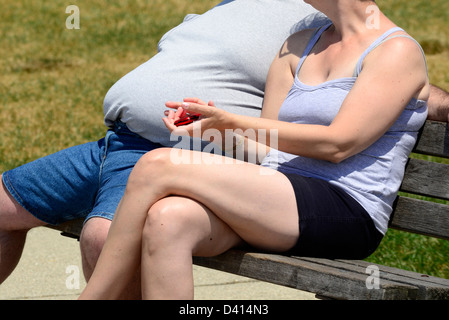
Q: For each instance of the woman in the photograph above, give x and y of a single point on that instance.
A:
(346, 102)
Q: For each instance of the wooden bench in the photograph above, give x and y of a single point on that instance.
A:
(349, 279)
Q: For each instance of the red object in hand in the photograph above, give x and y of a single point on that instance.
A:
(187, 120)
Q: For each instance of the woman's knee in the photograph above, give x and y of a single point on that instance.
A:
(165, 221)
(175, 222)
(157, 157)
(181, 224)
(150, 167)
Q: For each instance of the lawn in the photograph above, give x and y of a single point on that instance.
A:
(53, 80)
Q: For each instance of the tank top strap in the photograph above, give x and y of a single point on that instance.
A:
(358, 68)
(383, 38)
(313, 40)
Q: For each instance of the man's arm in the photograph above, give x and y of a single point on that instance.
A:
(438, 104)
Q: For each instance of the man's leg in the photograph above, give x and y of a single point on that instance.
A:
(92, 240)
(124, 149)
(15, 222)
(50, 190)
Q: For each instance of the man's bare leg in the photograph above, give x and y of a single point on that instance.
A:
(15, 222)
(92, 240)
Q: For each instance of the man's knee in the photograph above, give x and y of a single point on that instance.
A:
(92, 239)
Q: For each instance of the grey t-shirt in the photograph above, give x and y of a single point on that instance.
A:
(222, 55)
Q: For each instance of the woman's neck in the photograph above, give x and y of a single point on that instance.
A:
(351, 17)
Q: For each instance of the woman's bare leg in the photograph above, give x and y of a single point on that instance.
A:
(176, 229)
(258, 204)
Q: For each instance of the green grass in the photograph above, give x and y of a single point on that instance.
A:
(53, 80)
(414, 252)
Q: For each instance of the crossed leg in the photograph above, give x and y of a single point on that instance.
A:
(176, 229)
(226, 202)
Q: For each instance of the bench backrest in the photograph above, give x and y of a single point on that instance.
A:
(423, 205)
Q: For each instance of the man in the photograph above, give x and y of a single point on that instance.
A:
(223, 55)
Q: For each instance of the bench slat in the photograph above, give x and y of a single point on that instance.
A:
(434, 139)
(70, 228)
(327, 278)
(430, 288)
(337, 279)
(422, 217)
(425, 178)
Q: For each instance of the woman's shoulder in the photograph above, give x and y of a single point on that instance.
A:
(402, 55)
(297, 42)
(400, 45)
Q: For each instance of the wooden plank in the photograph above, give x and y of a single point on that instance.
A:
(434, 139)
(70, 228)
(430, 288)
(421, 217)
(310, 275)
(426, 178)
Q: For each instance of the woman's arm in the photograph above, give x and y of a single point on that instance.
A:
(392, 75)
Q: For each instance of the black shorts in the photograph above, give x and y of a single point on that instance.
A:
(332, 224)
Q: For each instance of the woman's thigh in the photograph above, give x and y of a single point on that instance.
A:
(258, 203)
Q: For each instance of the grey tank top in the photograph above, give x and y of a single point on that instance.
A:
(373, 176)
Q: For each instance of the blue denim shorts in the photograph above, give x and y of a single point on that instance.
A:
(84, 181)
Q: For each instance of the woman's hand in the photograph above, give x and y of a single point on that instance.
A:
(209, 116)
